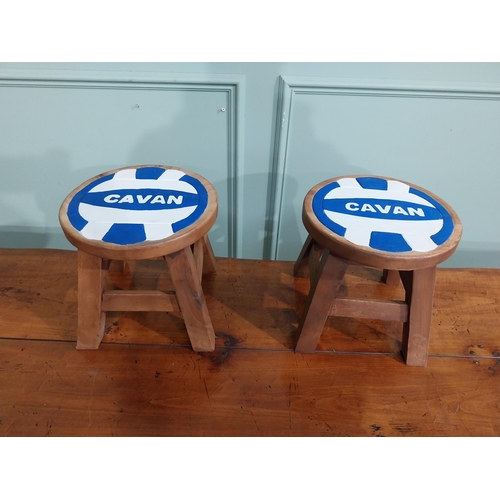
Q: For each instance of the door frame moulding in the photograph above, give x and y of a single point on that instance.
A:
(289, 87)
(232, 85)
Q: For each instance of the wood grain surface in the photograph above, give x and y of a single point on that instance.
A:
(145, 380)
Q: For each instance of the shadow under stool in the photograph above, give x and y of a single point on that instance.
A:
(382, 223)
(137, 213)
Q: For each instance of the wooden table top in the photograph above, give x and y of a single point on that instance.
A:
(145, 380)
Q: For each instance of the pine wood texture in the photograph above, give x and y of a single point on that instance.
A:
(417, 269)
(187, 284)
(184, 252)
(50, 389)
(415, 313)
(145, 380)
(257, 303)
(209, 260)
(391, 277)
(186, 270)
(137, 300)
(319, 303)
(419, 286)
(91, 317)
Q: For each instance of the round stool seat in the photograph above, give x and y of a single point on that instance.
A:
(377, 222)
(381, 222)
(139, 212)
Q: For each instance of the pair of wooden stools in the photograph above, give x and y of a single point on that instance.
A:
(153, 211)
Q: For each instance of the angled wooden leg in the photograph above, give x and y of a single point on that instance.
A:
(191, 299)
(419, 286)
(204, 257)
(91, 318)
(301, 268)
(308, 259)
(197, 250)
(314, 260)
(391, 277)
(209, 262)
(320, 300)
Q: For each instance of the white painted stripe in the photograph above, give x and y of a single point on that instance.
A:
(397, 186)
(416, 227)
(96, 230)
(358, 236)
(156, 232)
(393, 196)
(419, 243)
(125, 179)
(94, 214)
(349, 182)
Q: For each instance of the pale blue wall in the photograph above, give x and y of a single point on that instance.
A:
(436, 125)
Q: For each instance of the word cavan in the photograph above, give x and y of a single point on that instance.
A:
(387, 209)
(129, 198)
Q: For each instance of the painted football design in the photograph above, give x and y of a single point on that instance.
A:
(137, 205)
(383, 214)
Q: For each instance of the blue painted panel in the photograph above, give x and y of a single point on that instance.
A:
(125, 234)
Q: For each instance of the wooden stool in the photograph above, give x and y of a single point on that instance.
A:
(136, 213)
(382, 223)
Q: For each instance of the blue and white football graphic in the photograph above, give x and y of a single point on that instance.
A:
(386, 215)
(136, 205)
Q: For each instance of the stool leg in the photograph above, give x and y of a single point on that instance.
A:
(320, 300)
(204, 257)
(197, 249)
(91, 318)
(391, 277)
(191, 299)
(315, 260)
(308, 260)
(301, 268)
(209, 262)
(419, 286)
